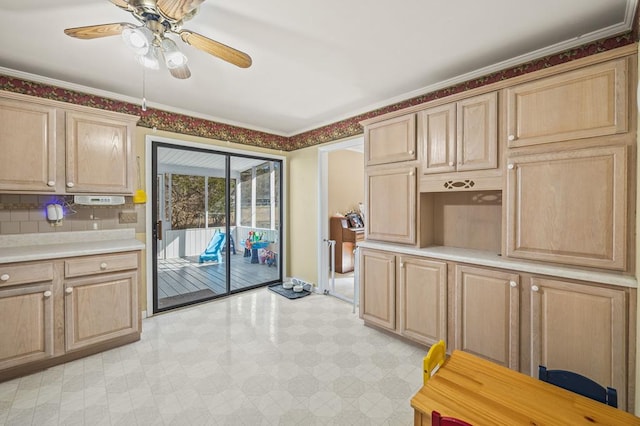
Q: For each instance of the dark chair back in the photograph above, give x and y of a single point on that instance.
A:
(579, 384)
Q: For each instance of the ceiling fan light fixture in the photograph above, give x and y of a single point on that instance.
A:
(139, 39)
(173, 57)
(151, 59)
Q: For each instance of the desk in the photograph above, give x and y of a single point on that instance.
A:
(483, 393)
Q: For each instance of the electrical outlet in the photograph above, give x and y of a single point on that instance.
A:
(128, 217)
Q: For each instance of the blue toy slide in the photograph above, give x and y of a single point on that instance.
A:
(213, 252)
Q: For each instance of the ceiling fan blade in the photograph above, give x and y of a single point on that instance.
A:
(178, 9)
(122, 4)
(180, 72)
(215, 48)
(97, 31)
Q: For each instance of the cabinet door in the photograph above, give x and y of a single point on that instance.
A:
(487, 310)
(569, 207)
(378, 288)
(390, 141)
(99, 156)
(100, 308)
(581, 328)
(391, 204)
(28, 146)
(587, 102)
(26, 329)
(423, 300)
(437, 130)
(477, 133)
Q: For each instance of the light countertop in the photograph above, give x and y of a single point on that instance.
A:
(28, 247)
(483, 258)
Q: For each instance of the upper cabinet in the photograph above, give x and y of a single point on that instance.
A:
(587, 102)
(28, 145)
(460, 136)
(53, 147)
(99, 154)
(391, 141)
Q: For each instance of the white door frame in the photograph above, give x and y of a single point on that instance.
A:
(323, 205)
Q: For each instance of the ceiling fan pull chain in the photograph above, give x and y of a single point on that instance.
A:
(144, 97)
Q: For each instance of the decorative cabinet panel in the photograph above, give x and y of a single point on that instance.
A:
(53, 147)
(391, 141)
(569, 207)
(391, 204)
(28, 146)
(422, 307)
(587, 102)
(460, 136)
(581, 328)
(378, 288)
(486, 317)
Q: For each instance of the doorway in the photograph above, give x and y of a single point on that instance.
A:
(216, 223)
(341, 182)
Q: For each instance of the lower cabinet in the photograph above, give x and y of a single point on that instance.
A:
(582, 328)
(56, 311)
(487, 314)
(404, 294)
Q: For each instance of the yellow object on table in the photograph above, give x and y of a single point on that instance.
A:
(481, 392)
(434, 359)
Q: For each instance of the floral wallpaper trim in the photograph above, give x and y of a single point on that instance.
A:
(183, 124)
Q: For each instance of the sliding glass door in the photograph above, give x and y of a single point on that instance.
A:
(216, 223)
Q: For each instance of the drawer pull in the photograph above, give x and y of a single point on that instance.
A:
(510, 166)
(511, 138)
(103, 265)
(513, 284)
(411, 152)
(70, 185)
(535, 288)
(51, 183)
(4, 277)
(450, 163)
(68, 290)
(47, 294)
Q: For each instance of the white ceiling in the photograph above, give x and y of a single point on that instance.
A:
(314, 62)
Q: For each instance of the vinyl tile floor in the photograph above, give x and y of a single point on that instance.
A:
(255, 358)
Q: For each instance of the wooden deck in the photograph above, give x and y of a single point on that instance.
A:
(182, 280)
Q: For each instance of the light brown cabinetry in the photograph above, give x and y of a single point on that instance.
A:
(100, 303)
(26, 304)
(404, 294)
(581, 328)
(391, 141)
(53, 147)
(63, 309)
(28, 145)
(569, 207)
(486, 314)
(460, 136)
(391, 204)
(587, 102)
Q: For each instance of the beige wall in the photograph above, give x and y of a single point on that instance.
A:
(346, 181)
(637, 383)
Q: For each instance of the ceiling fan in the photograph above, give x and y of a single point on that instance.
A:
(149, 40)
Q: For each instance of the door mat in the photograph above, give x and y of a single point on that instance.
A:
(287, 292)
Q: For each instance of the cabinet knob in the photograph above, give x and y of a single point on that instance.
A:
(103, 265)
(411, 152)
(411, 173)
(69, 184)
(535, 288)
(68, 290)
(47, 294)
(512, 137)
(510, 166)
(402, 264)
(450, 163)
(51, 183)
(513, 284)
(4, 277)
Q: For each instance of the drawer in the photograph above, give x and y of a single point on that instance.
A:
(23, 274)
(100, 264)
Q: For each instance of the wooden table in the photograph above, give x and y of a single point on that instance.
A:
(484, 393)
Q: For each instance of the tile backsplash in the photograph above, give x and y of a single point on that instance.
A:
(26, 214)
